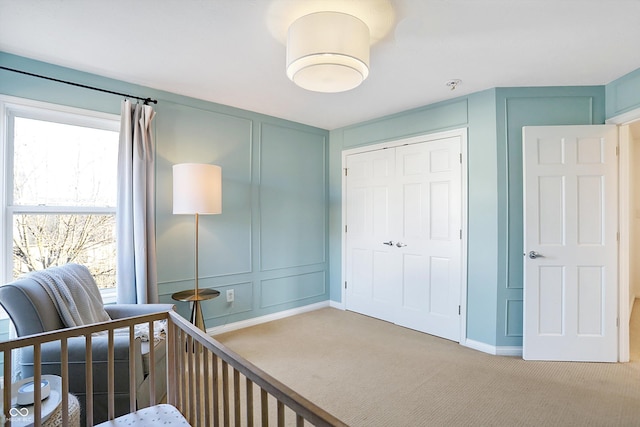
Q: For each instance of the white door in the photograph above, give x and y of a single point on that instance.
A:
(404, 247)
(371, 254)
(570, 243)
(429, 185)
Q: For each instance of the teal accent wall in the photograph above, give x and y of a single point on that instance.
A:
(518, 107)
(623, 94)
(278, 241)
(477, 113)
(483, 235)
(494, 120)
(270, 242)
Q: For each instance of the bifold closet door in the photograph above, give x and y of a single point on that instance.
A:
(372, 258)
(403, 242)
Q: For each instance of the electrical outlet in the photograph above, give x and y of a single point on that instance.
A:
(230, 295)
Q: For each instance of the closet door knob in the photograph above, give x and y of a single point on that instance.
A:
(401, 245)
(534, 255)
(389, 243)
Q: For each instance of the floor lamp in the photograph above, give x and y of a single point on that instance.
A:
(197, 190)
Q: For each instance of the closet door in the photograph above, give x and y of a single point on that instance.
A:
(428, 177)
(403, 245)
(372, 258)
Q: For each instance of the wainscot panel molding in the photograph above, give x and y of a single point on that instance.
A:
(231, 244)
(442, 116)
(193, 135)
(281, 222)
(623, 94)
(477, 113)
(293, 197)
(218, 310)
(494, 120)
(514, 315)
(518, 107)
(290, 289)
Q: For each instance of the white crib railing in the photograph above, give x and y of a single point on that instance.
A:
(207, 382)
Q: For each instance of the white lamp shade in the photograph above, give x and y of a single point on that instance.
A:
(197, 189)
(328, 52)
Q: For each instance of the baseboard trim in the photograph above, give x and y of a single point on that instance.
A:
(336, 304)
(509, 351)
(492, 349)
(217, 330)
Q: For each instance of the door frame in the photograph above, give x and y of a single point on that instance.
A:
(427, 137)
(624, 218)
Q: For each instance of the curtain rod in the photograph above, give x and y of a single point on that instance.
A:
(146, 100)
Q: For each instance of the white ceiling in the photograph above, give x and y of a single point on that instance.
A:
(231, 52)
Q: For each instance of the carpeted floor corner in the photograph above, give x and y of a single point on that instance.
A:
(371, 373)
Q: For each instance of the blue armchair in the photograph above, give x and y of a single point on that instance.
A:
(33, 311)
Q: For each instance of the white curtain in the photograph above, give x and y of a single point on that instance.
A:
(136, 280)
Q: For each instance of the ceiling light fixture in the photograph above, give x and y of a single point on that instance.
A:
(328, 52)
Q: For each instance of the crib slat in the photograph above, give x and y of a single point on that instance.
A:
(132, 370)
(225, 392)
(152, 365)
(37, 378)
(185, 374)
(249, 385)
(6, 398)
(111, 380)
(264, 407)
(216, 393)
(197, 352)
(64, 372)
(280, 414)
(191, 393)
(207, 388)
(88, 366)
(171, 372)
(236, 397)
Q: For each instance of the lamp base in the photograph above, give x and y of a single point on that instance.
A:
(196, 316)
(193, 296)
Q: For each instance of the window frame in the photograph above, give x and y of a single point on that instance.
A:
(11, 107)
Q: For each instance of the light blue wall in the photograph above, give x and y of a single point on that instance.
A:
(278, 240)
(518, 107)
(270, 243)
(494, 120)
(477, 113)
(623, 94)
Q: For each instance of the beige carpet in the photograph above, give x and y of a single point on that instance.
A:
(372, 373)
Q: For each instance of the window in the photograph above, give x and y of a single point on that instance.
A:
(60, 190)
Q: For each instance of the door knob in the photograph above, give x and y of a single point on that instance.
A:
(389, 243)
(400, 244)
(534, 255)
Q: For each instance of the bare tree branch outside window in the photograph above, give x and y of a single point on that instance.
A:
(41, 241)
(71, 168)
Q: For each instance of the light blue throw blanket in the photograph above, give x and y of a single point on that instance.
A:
(74, 292)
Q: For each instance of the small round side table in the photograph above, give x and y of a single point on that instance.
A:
(190, 295)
